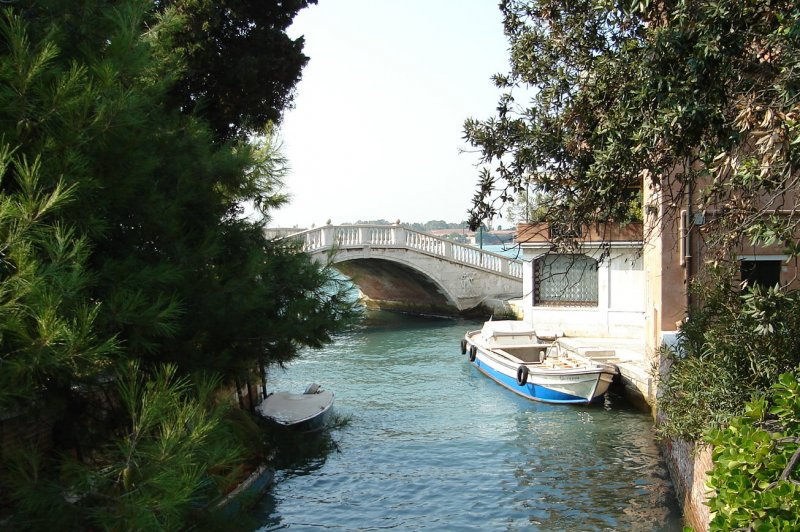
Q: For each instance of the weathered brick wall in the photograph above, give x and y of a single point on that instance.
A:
(689, 464)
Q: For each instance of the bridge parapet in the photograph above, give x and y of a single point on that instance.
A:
(396, 236)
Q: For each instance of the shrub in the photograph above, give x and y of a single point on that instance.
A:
(754, 478)
(730, 350)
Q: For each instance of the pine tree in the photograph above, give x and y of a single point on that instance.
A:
(123, 240)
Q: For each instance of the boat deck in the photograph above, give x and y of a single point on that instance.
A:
(565, 361)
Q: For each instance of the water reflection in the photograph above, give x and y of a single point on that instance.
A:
(592, 468)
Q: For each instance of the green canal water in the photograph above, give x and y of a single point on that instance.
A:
(432, 444)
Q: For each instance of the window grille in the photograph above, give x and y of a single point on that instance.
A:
(565, 280)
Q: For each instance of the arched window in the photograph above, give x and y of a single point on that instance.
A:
(565, 280)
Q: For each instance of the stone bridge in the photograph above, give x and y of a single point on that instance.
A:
(398, 268)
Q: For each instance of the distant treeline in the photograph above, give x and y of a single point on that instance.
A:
(459, 231)
(427, 226)
(432, 225)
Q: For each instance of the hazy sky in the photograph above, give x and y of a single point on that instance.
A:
(378, 118)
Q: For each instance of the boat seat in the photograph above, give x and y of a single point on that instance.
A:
(542, 355)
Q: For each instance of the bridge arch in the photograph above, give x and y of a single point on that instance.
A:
(393, 283)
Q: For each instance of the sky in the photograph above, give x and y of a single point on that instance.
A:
(377, 124)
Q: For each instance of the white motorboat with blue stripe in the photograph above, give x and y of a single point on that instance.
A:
(509, 353)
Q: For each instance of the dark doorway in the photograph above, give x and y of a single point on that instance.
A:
(764, 273)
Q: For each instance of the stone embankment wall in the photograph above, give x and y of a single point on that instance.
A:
(689, 464)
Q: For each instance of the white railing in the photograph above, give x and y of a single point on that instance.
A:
(397, 236)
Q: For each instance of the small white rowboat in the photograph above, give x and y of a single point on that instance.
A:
(306, 412)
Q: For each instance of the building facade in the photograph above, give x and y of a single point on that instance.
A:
(594, 289)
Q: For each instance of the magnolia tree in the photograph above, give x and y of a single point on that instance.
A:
(123, 243)
(670, 95)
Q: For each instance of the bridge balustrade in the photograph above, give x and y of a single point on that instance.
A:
(348, 236)
(395, 236)
(423, 242)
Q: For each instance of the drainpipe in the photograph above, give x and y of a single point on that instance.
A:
(527, 202)
(688, 245)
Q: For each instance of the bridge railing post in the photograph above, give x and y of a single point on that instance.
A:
(398, 235)
(326, 236)
(504, 263)
(364, 235)
(310, 242)
(447, 249)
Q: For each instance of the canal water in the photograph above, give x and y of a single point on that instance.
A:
(429, 443)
